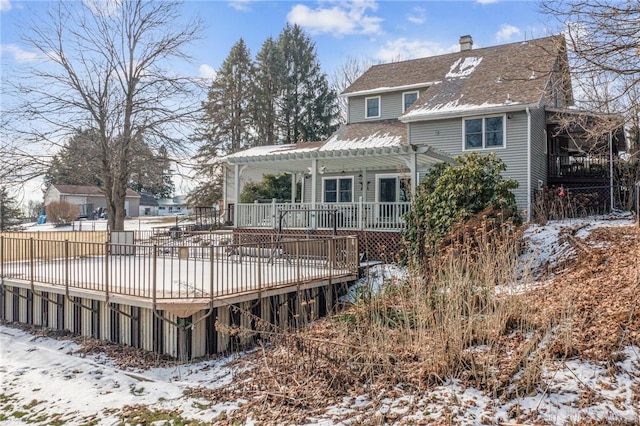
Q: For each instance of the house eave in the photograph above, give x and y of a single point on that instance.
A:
(467, 112)
(380, 90)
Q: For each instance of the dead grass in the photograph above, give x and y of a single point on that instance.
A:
(448, 322)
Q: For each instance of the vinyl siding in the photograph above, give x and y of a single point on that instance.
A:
(370, 192)
(447, 136)
(538, 149)
(390, 107)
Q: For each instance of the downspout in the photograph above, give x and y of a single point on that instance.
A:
(528, 164)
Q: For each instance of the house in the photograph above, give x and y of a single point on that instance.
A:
(148, 204)
(405, 116)
(174, 206)
(89, 198)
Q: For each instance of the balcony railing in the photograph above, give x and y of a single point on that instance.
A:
(579, 166)
(351, 216)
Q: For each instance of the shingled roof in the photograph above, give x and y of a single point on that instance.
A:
(509, 74)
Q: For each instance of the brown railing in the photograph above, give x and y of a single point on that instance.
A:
(177, 272)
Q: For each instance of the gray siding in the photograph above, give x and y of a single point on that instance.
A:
(538, 150)
(390, 106)
(447, 136)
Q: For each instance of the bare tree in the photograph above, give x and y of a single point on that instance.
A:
(602, 38)
(344, 76)
(603, 42)
(104, 69)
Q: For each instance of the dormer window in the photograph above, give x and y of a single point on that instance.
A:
(408, 99)
(372, 107)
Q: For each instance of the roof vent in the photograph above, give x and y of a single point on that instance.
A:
(466, 43)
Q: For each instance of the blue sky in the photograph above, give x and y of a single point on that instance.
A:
(372, 30)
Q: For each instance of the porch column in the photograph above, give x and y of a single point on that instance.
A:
(294, 186)
(363, 183)
(413, 167)
(314, 183)
(236, 179)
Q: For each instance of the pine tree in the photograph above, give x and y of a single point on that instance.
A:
(227, 121)
(309, 110)
(269, 83)
(8, 208)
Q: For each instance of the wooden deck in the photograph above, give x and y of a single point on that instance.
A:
(180, 279)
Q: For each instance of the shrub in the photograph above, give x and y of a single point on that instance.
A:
(452, 193)
(271, 186)
(60, 212)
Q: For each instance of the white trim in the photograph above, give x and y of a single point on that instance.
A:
(366, 108)
(380, 90)
(404, 107)
(338, 178)
(484, 146)
(465, 112)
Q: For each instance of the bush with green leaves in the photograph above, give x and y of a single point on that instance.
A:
(452, 193)
(271, 186)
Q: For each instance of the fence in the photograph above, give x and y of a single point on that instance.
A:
(566, 201)
(177, 272)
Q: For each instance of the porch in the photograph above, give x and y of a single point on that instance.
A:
(362, 216)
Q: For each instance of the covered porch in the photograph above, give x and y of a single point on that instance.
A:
(362, 178)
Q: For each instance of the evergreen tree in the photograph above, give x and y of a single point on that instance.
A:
(78, 163)
(269, 82)
(227, 121)
(8, 208)
(226, 124)
(309, 109)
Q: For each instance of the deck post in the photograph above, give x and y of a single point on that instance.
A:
(273, 214)
(106, 271)
(66, 266)
(31, 261)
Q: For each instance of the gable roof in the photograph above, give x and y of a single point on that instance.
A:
(508, 75)
(87, 190)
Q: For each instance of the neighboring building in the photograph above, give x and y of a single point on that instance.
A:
(148, 204)
(174, 206)
(89, 198)
(405, 116)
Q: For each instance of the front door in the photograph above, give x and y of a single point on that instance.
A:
(392, 190)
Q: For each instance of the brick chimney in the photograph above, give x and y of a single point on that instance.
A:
(466, 43)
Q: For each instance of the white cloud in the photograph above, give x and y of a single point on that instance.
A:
(104, 7)
(207, 71)
(341, 19)
(417, 15)
(506, 32)
(487, 1)
(402, 49)
(241, 5)
(19, 55)
(5, 5)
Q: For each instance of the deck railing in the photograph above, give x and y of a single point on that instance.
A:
(355, 216)
(177, 272)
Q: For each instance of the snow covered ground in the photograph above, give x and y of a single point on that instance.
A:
(46, 381)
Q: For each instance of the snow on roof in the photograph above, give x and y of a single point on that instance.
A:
(375, 140)
(259, 151)
(464, 67)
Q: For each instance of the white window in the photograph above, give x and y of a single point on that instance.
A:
(338, 190)
(483, 133)
(408, 99)
(372, 107)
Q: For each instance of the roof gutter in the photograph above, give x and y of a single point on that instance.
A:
(439, 115)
